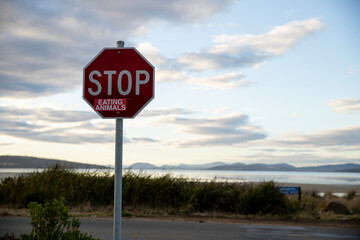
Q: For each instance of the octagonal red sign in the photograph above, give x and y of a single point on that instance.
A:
(118, 83)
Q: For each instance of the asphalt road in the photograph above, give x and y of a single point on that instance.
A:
(164, 230)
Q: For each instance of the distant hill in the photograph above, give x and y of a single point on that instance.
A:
(33, 162)
(256, 167)
(181, 166)
(195, 166)
(349, 167)
(143, 166)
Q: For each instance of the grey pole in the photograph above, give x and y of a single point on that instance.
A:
(118, 171)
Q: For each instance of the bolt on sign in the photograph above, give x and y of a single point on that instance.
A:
(118, 83)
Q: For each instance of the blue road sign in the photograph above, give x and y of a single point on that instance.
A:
(289, 190)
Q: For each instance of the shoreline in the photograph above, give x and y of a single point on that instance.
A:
(305, 187)
(324, 188)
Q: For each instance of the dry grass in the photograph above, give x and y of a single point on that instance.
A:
(147, 196)
(6, 210)
(313, 206)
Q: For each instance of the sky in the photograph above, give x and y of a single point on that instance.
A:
(236, 81)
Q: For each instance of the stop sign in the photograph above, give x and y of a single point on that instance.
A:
(118, 83)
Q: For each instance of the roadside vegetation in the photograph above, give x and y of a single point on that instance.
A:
(90, 194)
(51, 221)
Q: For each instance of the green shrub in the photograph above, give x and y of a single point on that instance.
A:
(351, 195)
(9, 237)
(141, 190)
(58, 182)
(144, 190)
(215, 196)
(262, 198)
(51, 222)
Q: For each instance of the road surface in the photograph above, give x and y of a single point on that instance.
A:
(142, 229)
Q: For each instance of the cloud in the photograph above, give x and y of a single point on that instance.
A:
(152, 53)
(47, 43)
(232, 51)
(347, 136)
(351, 105)
(222, 81)
(170, 71)
(305, 159)
(216, 61)
(46, 114)
(6, 144)
(229, 52)
(275, 42)
(49, 125)
(54, 133)
(142, 11)
(225, 81)
(161, 112)
(143, 140)
(43, 54)
(216, 131)
(58, 126)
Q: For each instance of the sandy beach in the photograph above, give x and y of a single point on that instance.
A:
(324, 187)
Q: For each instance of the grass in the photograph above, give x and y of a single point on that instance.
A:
(57, 182)
(90, 194)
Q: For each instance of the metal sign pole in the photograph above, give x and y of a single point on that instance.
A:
(118, 172)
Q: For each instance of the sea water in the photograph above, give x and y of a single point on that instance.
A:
(326, 178)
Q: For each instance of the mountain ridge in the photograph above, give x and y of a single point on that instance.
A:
(348, 167)
(7, 161)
